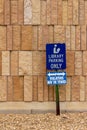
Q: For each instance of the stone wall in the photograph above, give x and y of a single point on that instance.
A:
(25, 28)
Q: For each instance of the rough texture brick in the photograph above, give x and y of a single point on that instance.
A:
(9, 89)
(70, 12)
(9, 37)
(48, 4)
(7, 12)
(0, 63)
(68, 89)
(78, 63)
(70, 63)
(75, 92)
(5, 63)
(45, 89)
(27, 12)
(84, 62)
(51, 93)
(86, 88)
(59, 12)
(73, 37)
(68, 36)
(2, 11)
(18, 88)
(25, 63)
(85, 12)
(83, 37)
(81, 12)
(75, 12)
(26, 38)
(43, 12)
(40, 88)
(65, 12)
(82, 88)
(78, 39)
(62, 93)
(35, 88)
(51, 34)
(35, 38)
(3, 88)
(20, 12)
(14, 62)
(2, 38)
(28, 88)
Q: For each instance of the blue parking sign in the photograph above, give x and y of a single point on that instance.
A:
(56, 56)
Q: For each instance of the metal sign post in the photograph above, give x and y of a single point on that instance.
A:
(57, 100)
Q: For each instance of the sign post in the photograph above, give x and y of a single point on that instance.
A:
(56, 60)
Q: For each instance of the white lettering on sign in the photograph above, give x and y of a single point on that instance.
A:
(57, 66)
(56, 50)
(56, 56)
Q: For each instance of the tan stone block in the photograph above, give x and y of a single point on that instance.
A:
(65, 15)
(35, 38)
(82, 88)
(27, 34)
(10, 89)
(78, 39)
(73, 37)
(59, 34)
(20, 12)
(78, 63)
(5, 63)
(25, 63)
(45, 87)
(9, 37)
(84, 62)
(14, 12)
(48, 12)
(43, 12)
(70, 12)
(3, 88)
(40, 37)
(68, 89)
(7, 12)
(68, 38)
(75, 92)
(14, 62)
(70, 63)
(85, 88)
(85, 12)
(27, 12)
(2, 37)
(2, 11)
(51, 93)
(83, 37)
(36, 12)
(51, 34)
(53, 12)
(40, 88)
(81, 12)
(60, 11)
(62, 93)
(28, 88)
(18, 88)
(0, 63)
(75, 12)
(35, 88)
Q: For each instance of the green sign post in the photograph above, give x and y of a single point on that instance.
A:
(57, 100)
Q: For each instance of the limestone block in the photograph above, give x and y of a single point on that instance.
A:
(62, 93)
(14, 62)
(2, 38)
(25, 63)
(45, 89)
(40, 37)
(14, 12)
(59, 34)
(60, 12)
(75, 12)
(3, 88)
(16, 37)
(2, 12)
(28, 88)
(85, 88)
(83, 37)
(27, 12)
(81, 12)
(10, 89)
(78, 39)
(73, 37)
(68, 38)
(9, 37)
(5, 63)
(35, 88)
(51, 34)
(70, 63)
(40, 88)
(36, 12)
(27, 34)
(51, 93)
(0, 63)
(35, 37)
(20, 12)
(84, 62)
(85, 12)
(7, 12)
(78, 63)
(75, 92)
(65, 15)
(43, 12)
(82, 88)
(70, 12)
(54, 12)
(48, 12)
(18, 88)
(68, 89)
